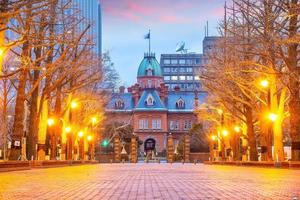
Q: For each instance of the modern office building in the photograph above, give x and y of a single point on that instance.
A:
(91, 11)
(181, 70)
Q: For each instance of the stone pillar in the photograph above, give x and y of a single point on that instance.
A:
(170, 149)
(117, 149)
(186, 148)
(134, 150)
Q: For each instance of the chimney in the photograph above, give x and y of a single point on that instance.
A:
(122, 89)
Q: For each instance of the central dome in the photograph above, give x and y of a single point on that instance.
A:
(149, 63)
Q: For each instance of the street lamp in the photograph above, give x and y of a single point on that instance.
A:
(237, 129)
(224, 132)
(68, 129)
(213, 138)
(80, 134)
(50, 122)
(94, 120)
(264, 83)
(273, 117)
(74, 104)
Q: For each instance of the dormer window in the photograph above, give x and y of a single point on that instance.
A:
(119, 104)
(180, 104)
(149, 72)
(150, 100)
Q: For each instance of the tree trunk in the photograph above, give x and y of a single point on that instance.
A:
(250, 134)
(33, 124)
(18, 126)
(294, 104)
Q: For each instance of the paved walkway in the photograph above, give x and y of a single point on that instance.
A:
(150, 181)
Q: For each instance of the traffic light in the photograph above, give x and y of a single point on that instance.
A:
(105, 143)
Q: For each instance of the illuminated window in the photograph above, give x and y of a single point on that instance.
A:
(174, 61)
(197, 78)
(174, 78)
(189, 78)
(182, 78)
(167, 78)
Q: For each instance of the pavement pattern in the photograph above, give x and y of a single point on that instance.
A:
(151, 181)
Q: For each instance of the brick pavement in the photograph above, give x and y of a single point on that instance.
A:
(150, 181)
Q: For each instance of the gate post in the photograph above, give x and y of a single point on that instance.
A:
(186, 148)
(170, 149)
(133, 149)
(117, 149)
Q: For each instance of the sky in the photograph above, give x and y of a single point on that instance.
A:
(125, 22)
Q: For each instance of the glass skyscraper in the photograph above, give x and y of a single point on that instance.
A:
(91, 11)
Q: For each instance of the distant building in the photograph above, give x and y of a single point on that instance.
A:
(155, 111)
(180, 70)
(91, 11)
(209, 45)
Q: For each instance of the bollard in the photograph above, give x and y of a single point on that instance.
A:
(123, 161)
(182, 161)
(111, 161)
(158, 161)
(195, 162)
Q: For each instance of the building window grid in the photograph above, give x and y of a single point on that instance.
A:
(187, 124)
(174, 125)
(156, 124)
(143, 124)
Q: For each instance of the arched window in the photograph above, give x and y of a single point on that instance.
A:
(180, 103)
(119, 104)
(150, 100)
(149, 72)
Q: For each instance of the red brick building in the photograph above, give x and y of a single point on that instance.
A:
(153, 111)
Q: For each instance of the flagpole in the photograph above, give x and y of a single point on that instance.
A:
(149, 42)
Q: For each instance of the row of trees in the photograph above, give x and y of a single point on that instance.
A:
(48, 60)
(253, 75)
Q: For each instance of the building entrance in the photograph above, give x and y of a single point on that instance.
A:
(150, 148)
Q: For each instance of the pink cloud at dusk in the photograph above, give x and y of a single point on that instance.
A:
(167, 11)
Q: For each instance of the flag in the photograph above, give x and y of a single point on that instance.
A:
(147, 36)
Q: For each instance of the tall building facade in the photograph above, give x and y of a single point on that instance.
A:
(91, 11)
(181, 70)
(153, 111)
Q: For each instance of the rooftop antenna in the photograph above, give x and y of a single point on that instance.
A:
(207, 28)
(180, 47)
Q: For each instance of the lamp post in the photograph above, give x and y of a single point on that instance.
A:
(213, 140)
(81, 145)
(236, 142)
(70, 138)
(266, 151)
